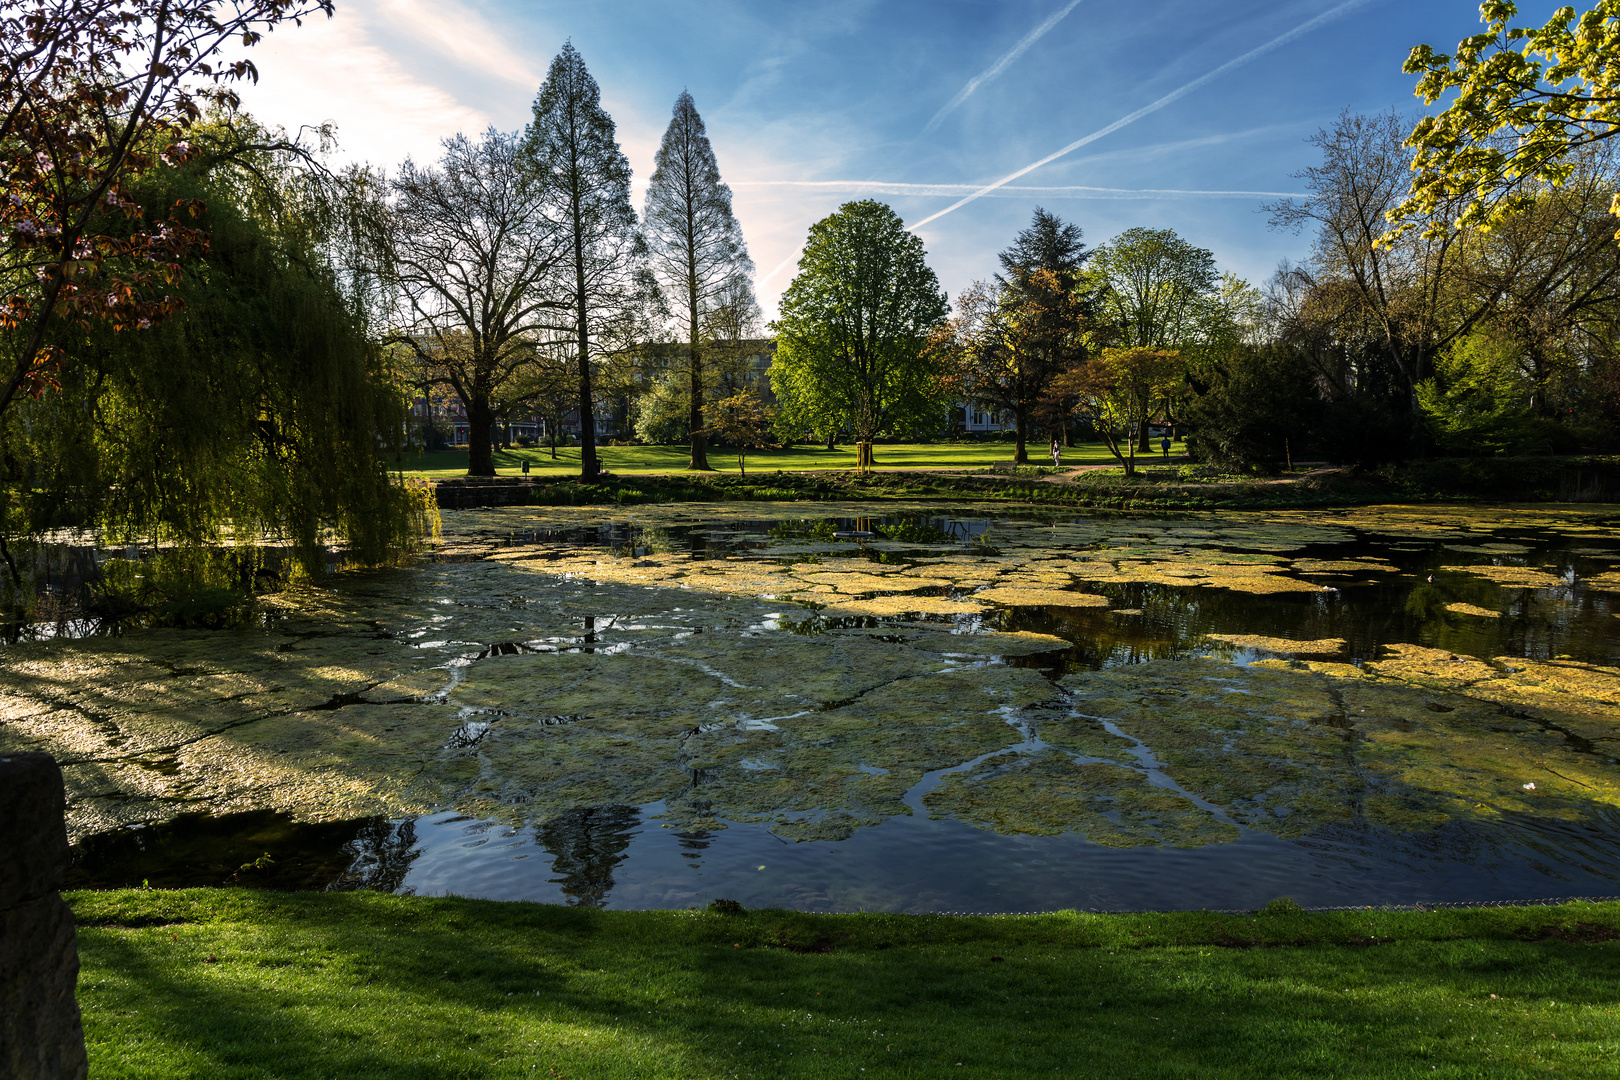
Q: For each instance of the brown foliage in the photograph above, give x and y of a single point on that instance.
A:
(93, 93)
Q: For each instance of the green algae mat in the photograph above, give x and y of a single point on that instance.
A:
(881, 707)
(231, 983)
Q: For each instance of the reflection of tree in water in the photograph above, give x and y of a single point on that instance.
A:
(1381, 610)
(586, 844)
(383, 853)
(693, 842)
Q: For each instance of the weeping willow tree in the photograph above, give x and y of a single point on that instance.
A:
(262, 413)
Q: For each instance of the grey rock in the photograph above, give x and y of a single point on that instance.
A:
(33, 835)
(41, 1037)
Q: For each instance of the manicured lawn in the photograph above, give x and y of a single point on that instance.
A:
(222, 983)
(662, 459)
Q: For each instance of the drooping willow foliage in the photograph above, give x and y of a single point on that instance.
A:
(261, 414)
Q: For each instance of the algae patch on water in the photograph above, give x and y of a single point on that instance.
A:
(1284, 646)
(1473, 609)
(1048, 792)
(814, 686)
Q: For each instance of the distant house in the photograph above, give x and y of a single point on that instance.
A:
(442, 425)
(976, 419)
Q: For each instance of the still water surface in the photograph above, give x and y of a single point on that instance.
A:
(981, 849)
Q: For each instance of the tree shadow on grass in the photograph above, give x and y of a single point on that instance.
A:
(437, 988)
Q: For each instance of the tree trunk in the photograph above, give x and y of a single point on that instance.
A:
(830, 444)
(700, 455)
(1021, 425)
(588, 466)
(480, 459)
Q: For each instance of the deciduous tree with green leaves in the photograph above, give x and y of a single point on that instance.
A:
(1525, 99)
(853, 329)
(743, 420)
(94, 94)
(262, 411)
(1005, 345)
(1116, 392)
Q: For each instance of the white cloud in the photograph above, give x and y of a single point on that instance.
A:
(330, 70)
(460, 34)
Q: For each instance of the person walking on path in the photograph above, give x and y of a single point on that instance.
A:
(1057, 452)
(1165, 445)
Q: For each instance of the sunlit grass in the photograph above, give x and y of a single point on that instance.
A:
(629, 460)
(237, 984)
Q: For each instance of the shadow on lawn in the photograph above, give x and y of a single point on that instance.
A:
(364, 987)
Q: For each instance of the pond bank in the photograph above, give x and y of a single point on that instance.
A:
(1589, 478)
(230, 983)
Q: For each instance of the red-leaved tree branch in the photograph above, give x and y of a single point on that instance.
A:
(92, 94)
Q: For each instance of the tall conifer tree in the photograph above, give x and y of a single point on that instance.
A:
(572, 146)
(697, 246)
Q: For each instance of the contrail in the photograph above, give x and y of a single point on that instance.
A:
(1010, 191)
(1174, 95)
(1072, 191)
(783, 265)
(1000, 65)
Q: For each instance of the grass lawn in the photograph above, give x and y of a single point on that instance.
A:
(223, 983)
(628, 460)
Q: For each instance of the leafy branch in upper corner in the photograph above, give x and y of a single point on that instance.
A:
(1527, 100)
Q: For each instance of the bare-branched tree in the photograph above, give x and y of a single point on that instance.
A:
(473, 262)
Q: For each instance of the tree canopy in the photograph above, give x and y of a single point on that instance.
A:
(853, 327)
(1116, 392)
(473, 257)
(573, 150)
(1525, 100)
(94, 96)
(1047, 243)
(1150, 288)
(1005, 345)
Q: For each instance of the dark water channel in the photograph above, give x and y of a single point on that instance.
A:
(621, 856)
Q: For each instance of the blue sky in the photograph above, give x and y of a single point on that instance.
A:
(810, 105)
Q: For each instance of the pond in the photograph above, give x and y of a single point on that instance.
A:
(879, 707)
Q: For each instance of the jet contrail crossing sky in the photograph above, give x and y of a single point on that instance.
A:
(1174, 95)
(1070, 191)
(1000, 65)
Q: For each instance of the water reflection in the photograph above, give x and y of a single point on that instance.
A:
(586, 843)
(601, 858)
(383, 852)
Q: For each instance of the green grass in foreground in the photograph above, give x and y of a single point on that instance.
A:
(222, 983)
(632, 460)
